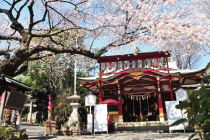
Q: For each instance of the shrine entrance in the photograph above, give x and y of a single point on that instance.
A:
(140, 109)
(137, 81)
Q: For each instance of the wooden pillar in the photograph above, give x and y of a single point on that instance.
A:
(160, 103)
(133, 106)
(120, 99)
(126, 108)
(4, 95)
(140, 108)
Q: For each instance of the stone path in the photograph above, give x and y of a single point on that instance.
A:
(122, 136)
(37, 133)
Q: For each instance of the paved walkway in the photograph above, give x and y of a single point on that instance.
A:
(122, 136)
(37, 133)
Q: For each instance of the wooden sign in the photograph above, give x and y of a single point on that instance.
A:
(15, 100)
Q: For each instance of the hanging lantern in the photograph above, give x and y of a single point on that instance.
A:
(110, 65)
(102, 66)
(150, 62)
(130, 64)
(126, 64)
(156, 62)
(119, 65)
(136, 98)
(142, 97)
(113, 66)
(131, 97)
(136, 64)
(139, 61)
(123, 65)
(159, 60)
(116, 66)
(164, 61)
(105, 66)
(143, 63)
(133, 64)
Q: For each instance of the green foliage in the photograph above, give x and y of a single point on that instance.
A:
(25, 116)
(182, 105)
(6, 132)
(198, 112)
(178, 122)
(45, 78)
(34, 77)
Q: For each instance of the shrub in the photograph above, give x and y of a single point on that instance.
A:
(6, 132)
(198, 112)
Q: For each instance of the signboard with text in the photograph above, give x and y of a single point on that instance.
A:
(90, 100)
(100, 118)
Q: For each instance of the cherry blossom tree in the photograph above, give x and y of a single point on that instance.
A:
(186, 59)
(205, 6)
(30, 28)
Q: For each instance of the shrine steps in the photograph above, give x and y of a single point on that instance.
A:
(146, 126)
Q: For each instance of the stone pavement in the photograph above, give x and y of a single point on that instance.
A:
(121, 136)
(37, 133)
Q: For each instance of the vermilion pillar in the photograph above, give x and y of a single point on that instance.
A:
(100, 91)
(160, 102)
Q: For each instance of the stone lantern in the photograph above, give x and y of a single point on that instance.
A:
(75, 105)
(74, 123)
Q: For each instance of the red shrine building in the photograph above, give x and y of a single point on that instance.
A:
(140, 84)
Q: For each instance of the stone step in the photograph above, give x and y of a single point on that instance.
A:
(155, 126)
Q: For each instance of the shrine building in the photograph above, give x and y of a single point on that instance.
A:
(141, 83)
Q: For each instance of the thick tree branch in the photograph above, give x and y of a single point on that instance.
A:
(68, 49)
(22, 69)
(2, 37)
(3, 52)
(52, 34)
(32, 58)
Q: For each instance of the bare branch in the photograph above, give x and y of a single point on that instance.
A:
(10, 5)
(32, 23)
(21, 8)
(30, 8)
(62, 16)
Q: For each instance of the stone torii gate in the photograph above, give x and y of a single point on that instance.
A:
(13, 96)
(30, 105)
